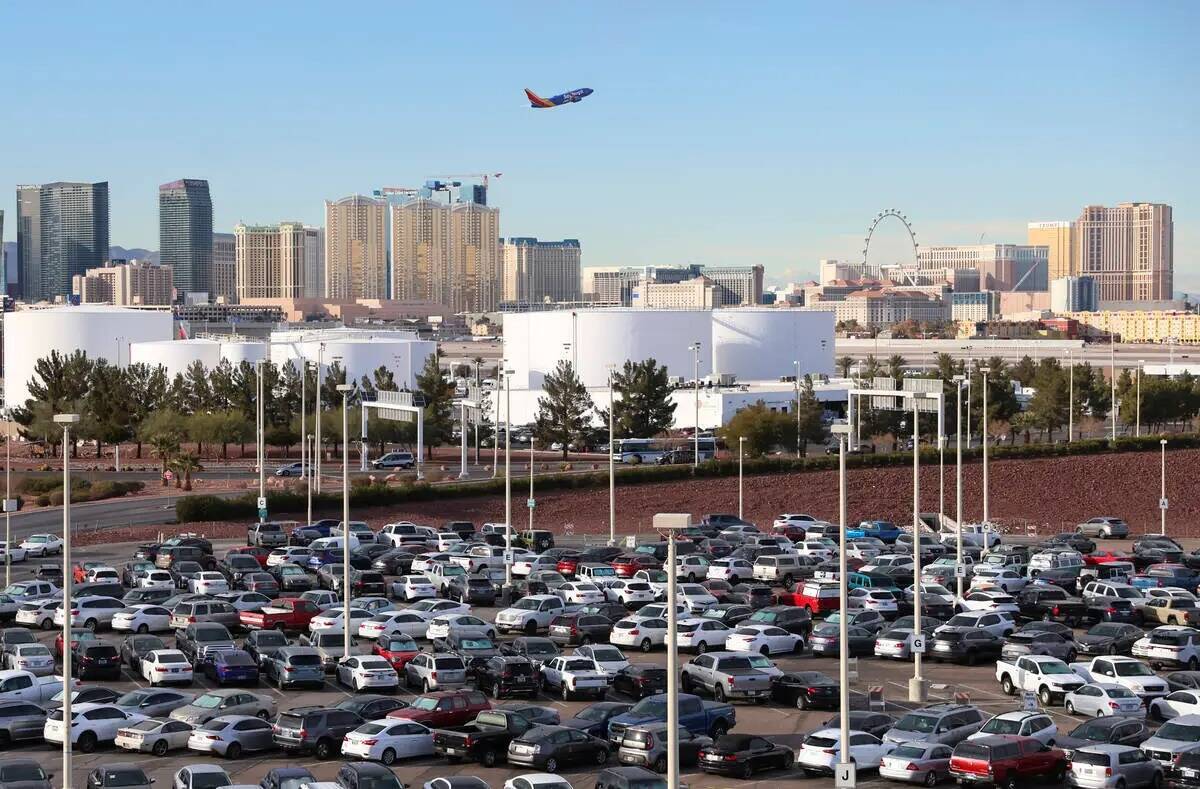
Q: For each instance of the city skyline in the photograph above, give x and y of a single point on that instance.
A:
(699, 149)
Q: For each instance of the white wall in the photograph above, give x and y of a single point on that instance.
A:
(176, 356)
(763, 344)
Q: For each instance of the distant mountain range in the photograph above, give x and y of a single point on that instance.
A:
(114, 253)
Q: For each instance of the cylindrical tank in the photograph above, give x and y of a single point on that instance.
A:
(176, 356)
(99, 331)
(534, 342)
(764, 344)
(237, 351)
(361, 356)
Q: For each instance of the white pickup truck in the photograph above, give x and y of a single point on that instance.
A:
(16, 685)
(1048, 677)
(1130, 673)
(981, 535)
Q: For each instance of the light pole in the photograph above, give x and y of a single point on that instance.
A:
(986, 516)
(1112, 375)
(7, 498)
(916, 686)
(477, 415)
(508, 480)
(317, 417)
(261, 440)
(842, 432)
(1138, 420)
(669, 523)
(741, 457)
(66, 420)
(303, 422)
(1162, 493)
(959, 568)
(346, 389)
(695, 349)
(797, 365)
(530, 502)
(308, 477)
(1070, 398)
(612, 468)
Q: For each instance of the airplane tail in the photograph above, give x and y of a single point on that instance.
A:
(536, 100)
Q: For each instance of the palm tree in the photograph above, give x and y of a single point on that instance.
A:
(166, 446)
(184, 465)
(844, 364)
(895, 366)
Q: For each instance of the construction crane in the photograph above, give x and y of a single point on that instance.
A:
(483, 176)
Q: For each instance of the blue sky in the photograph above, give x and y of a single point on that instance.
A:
(718, 133)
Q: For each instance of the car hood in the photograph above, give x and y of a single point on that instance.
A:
(24, 785)
(1094, 640)
(189, 714)
(895, 735)
(582, 723)
(1164, 744)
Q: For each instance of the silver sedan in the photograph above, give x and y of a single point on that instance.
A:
(917, 762)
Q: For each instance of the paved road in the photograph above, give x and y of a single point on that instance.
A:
(1127, 354)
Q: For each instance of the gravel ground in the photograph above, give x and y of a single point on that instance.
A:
(1049, 494)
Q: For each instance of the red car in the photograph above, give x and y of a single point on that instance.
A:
(257, 551)
(445, 708)
(77, 634)
(284, 613)
(630, 563)
(1007, 760)
(1104, 557)
(397, 650)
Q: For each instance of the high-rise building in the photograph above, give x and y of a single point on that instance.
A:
(62, 230)
(355, 248)
(475, 256)
(1073, 294)
(1129, 250)
(1059, 240)
(446, 253)
(314, 262)
(224, 271)
(185, 234)
(537, 271)
(1000, 266)
(694, 294)
(272, 260)
(125, 284)
(736, 286)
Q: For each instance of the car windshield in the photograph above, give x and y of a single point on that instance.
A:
(1002, 726)
(962, 620)
(270, 638)
(379, 782)
(16, 773)
(209, 780)
(1179, 731)
(1055, 668)
(527, 604)
(424, 703)
(594, 713)
(476, 643)
(1132, 668)
(1105, 630)
(909, 752)
(208, 701)
(401, 645)
(540, 648)
(607, 654)
(1092, 730)
(918, 722)
(653, 708)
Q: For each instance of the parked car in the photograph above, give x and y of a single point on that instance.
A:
(1007, 760)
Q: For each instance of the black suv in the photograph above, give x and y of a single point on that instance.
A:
(506, 675)
(319, 730)
(96, 660)
(367, 775)
(790, 618)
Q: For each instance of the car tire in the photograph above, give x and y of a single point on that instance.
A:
(47, 624)
(601, 756)
(87, 742)
(931, 778)
(388, 757)
(565, 692)
(323, 749)
(262, 715)
(718, 729)
(1044, 696)
(719, 693)
(143, 628)
(160, 748)
(801, 702)
(660, 765)
(531, 628)
(552, 765)
(92, 625)
(1070, 708)
(701, 648)
(425, 688)
(489, 758)
(646, 645)
(233, 752)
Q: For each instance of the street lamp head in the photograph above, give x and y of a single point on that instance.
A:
(985, 370)
(671, 521)
(344, 388)
(66, 419)
(1162, 442)
(840, 428)
(958, 379)
(741, 439)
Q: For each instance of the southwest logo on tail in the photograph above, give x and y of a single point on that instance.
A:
(570, 97)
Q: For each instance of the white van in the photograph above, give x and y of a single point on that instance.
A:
(1053, 560)
(328, 549)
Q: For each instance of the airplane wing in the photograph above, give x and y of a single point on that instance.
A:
(537, 101)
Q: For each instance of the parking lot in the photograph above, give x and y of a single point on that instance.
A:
(784, 725)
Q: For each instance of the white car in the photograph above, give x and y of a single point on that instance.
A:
(931, 594)
(289, 555)
(1104, 698)
(856, 549)
(1005, 578)
(413, 587)
(1180, 702)
(764, 639)
(209, 583)
(380, 626)
(428, 609)
(580, 593)
(530, 614)
(695, 597)
(388, 739)
(323, 599)
(732, 570)
(537, 781)
(158, 736)
(572, 676)
(797, 519)
(1035, 724)
(895, 642)
(863, 599)
(819, 752)
(92, 612)
(376, 605)
(814, 548)
(246, 601)
(144, 618)
(701, 634)
(424, 562)
(156, 579)
(447, 539)
(166, 666)
(34, 658)
(333, 618)
(657, 579)
(38, 613)
(465, 625)
(610, 659)
(629, 593)
(42, 545)
(532, 564)
(91, 724)
(999, 623)
(367, 671)
(14, 554)
(995, 601)
(692, 567)
(644, 633)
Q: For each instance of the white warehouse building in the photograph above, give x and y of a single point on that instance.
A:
(102, 332)
(743, 355)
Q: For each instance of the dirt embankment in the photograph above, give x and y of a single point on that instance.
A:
(1049, 494)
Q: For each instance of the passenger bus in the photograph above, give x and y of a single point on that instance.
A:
(651, 450)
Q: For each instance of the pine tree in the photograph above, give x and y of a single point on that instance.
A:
(564, 413)
(643, 408)
(439, 396)
(809, 412)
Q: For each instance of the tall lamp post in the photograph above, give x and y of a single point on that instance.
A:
(695, 349)
(530, 502)
(317, 418)
(842, 432)
(261, 440)
(612, 469)
(916, 686)
(741, 457)
(959, 568)
(668, 524)
(346, 389)
(66, 420)
(986, 515)
(7, 498)
(1162, 494)
(797, 365)
(1138, 420)
(1070, 398)
(309, 478)
(507, 480)
(1112, 376)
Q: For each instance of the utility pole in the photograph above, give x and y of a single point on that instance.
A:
(695, 349)
(66, 420)
(346, 389)
(959, 567)
(986, 516)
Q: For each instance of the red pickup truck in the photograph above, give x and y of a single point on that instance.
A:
(284, 613)
(1006, 760)
(445, 708)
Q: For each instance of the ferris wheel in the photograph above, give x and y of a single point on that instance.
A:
(880, 217)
